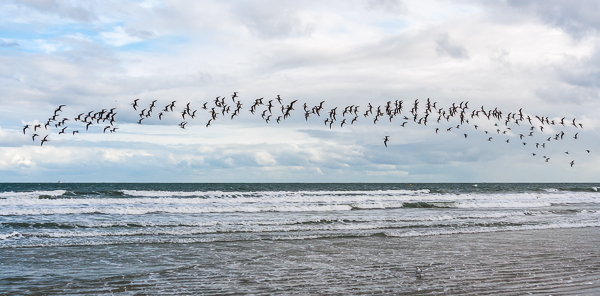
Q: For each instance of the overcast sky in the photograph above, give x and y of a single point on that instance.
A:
(539, 56)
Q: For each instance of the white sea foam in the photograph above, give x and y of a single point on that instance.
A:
(25, 204)
(12, 235)
(430, 232)
(30, 194)
(204, 230)
(425, 218)
(267, 194)
(194, 236)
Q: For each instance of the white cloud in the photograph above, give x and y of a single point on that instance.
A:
(265, 159)
(119, 37)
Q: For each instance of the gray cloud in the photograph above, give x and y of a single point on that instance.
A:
(67, 9)
(141, 34)
(8, 44)
(584, 72)
(445, 46)
(577, 18)
(272, 19)
(387, 6)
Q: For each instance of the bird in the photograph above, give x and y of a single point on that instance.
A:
(572, 163)
(33, 137)
(135, 104)
(25, 127)
(58, 109)
(418, 272)
(386, 140)
(45, 139)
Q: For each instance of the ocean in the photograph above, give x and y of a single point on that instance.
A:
(299, 239)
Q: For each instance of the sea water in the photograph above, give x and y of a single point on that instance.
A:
(334, 239)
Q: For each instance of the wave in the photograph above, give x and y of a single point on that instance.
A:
(84, 225)
(405, 230)
(56, 240)
(31, 194)
(265, 194)
(492, 229)
(12, 235)
(283, 202)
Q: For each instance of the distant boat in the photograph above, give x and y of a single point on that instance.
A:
(59, 181)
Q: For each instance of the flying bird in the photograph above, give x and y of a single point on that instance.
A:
(135, 104)
(45, 139)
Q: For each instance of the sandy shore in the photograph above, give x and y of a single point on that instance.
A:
(545, 262)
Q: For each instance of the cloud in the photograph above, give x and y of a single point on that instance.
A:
(140, 34)
(342, 52)
(273, 19)
(9, 44)
(265, 159)
(66, 9)
(387, 6)
(120, 36)
(13, 139)
(446, 47)
(578, 18)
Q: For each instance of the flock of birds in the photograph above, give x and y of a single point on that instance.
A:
(55, 121)
(456, 117)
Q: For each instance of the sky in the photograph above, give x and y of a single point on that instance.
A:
(540, 57)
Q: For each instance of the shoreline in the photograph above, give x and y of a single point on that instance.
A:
(547, 261)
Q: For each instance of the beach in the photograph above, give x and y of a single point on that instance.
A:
(302, 239)
(549, 262)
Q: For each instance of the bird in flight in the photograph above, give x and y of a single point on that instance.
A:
(135, 104)
(45, 139)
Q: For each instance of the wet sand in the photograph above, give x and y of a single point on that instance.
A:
(544, 262)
